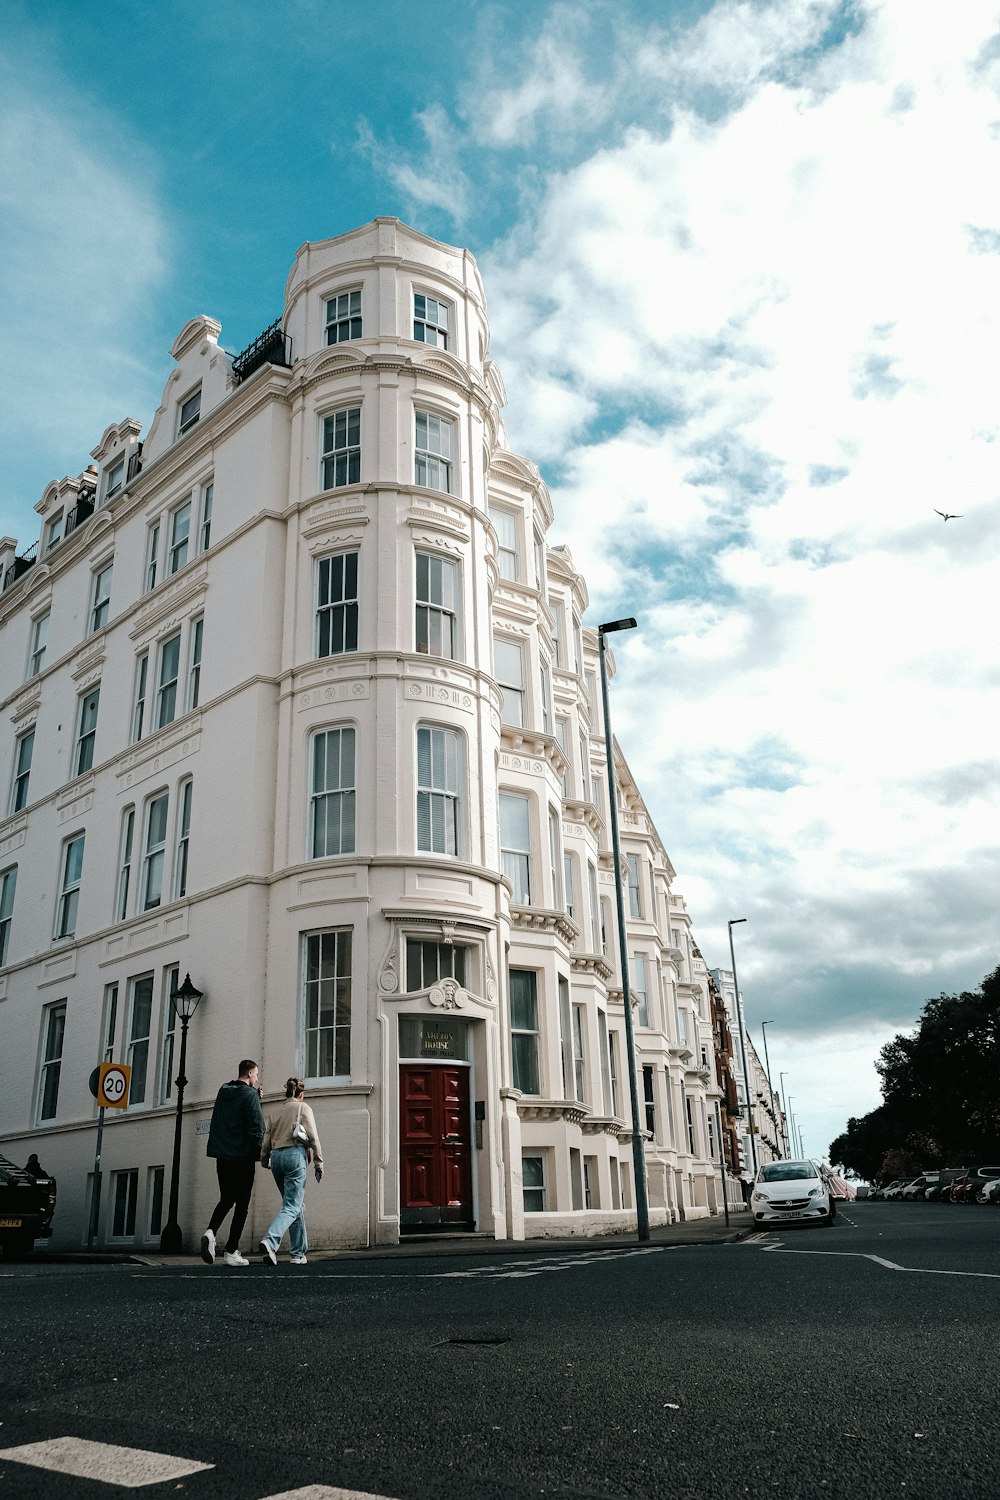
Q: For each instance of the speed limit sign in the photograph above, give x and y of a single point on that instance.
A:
(112, 1086)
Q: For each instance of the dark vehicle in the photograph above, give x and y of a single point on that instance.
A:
(27, 1204)
(969, 1189)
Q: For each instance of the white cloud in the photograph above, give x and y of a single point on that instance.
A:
(781, 324)
(75, 197)
(435, 178)
(552, 89)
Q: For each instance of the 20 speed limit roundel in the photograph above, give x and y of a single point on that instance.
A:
(112, 1089)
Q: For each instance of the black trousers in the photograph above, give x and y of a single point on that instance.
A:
(235, 1187)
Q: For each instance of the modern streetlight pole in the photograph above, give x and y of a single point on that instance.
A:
(734, 922)
(638, 1145)
(185, 1002)
(767, 1064)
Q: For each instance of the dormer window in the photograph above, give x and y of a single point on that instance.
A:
(343, 317)
(53, 532)
(190, 411)
(430, 320)
(114, 480)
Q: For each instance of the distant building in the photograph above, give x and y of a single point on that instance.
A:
(758, 1108)
(297, 698)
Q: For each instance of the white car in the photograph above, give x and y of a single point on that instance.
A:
(790, 1191)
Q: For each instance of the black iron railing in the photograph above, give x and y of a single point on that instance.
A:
(20, 566)
(82, 511)
(134, 463)
(272, 347)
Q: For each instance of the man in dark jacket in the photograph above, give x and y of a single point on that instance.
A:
(235, 1139)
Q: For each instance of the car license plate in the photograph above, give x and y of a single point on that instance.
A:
(787, 1213)
(11, 1223)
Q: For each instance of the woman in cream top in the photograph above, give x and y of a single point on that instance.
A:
(289, 1156)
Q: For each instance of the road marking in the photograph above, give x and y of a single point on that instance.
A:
(533, 1266)
(325, 1492)
(129, 1468)
(511, 1270)
(776, 1247)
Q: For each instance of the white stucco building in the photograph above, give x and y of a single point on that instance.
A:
(296, 696)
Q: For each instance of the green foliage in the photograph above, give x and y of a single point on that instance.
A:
(899, 1163)
(940, 1091)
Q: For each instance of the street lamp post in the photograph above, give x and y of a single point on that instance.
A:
(638, 1145)
(784, 1111)
(185, 1002)
(734, 922)
(767, 1064)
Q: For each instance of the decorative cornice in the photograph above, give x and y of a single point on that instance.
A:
(591, 963)
(606, 1124)
(320, 518)
(90, 659)
(454, 525)
(27, 705)
(160, 751)
(570, 1110)
(175, 600)
(534, 919)
(583, 812)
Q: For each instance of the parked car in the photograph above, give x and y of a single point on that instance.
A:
(787, 1191)
(991, 1192)
(27, 1203)
(958, 1189)
(946, 1180)
(977, 1179)
(917, 1189)
(896, 1187)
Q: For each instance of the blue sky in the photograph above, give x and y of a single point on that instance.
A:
(743, 266)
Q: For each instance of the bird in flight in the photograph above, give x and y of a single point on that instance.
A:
(945, 516)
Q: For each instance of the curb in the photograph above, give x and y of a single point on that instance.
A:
(667, 1238)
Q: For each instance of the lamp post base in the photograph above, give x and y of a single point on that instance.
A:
(171, 1239)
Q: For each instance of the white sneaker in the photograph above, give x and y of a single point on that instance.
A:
(267, 1253)
(234, 1258)
(208, 1247)
(297, 1260)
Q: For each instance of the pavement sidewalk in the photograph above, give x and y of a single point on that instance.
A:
(711, 1231)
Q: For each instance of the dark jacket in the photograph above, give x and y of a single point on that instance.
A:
(237, 1131)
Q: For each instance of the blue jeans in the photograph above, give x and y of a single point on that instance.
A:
(289, 1168)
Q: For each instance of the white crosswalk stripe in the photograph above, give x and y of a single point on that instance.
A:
(133, 1468)
(510, 1270)
(129, 1468)
(325, 1492)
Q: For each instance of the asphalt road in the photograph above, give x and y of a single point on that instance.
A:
(857, 1361)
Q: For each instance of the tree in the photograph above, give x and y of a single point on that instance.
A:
(940, 1089)
(899, 1163)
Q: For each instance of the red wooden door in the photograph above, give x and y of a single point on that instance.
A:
(435, 1185)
